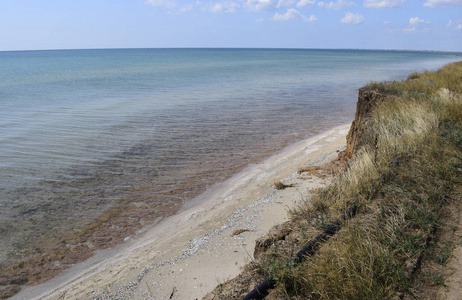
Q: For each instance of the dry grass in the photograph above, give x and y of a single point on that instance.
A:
(422, 84)
(400, 179)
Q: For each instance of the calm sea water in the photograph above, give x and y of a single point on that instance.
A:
(86, 131)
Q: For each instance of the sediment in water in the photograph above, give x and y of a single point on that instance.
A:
(161, 248)
(119, 222)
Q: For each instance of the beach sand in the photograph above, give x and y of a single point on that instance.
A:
(185, 256)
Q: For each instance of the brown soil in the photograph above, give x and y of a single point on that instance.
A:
(334, 167)
(367, 100)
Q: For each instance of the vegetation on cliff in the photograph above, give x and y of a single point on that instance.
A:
(406, 169)
(404, 177)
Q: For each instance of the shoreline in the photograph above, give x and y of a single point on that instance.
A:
(194, 250)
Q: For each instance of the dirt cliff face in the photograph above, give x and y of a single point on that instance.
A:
(367, 99)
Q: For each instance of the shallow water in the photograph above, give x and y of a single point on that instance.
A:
(86, 134)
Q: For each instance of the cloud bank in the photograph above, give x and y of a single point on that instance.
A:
(293, 14)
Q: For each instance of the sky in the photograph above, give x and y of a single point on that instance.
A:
(337, 24)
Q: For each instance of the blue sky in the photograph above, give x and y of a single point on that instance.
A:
(367, 24)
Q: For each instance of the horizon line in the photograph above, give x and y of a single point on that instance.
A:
(224, 48)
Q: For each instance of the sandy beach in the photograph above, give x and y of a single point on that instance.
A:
(185, 256)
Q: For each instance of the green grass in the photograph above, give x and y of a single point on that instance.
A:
(400, 178)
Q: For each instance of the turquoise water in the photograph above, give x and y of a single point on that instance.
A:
(83, 131)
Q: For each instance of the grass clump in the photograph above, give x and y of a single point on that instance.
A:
(400, 178)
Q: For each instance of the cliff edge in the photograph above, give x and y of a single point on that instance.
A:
(404, 181)
(367, 100)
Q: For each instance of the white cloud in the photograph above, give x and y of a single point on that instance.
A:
(311, 19)
(261, 5)
(283, 3)
(336, 5)
(414, 24)
(163, 3)
(443, 3)
(415, 21)
(303, 3)
(386, 22)
(224, 7)
(351, 18)
(382, 3)
(454, 25)
(293, 14)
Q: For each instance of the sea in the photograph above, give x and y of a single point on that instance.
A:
(97, 144)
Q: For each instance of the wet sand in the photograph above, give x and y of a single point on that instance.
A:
(186, 255)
